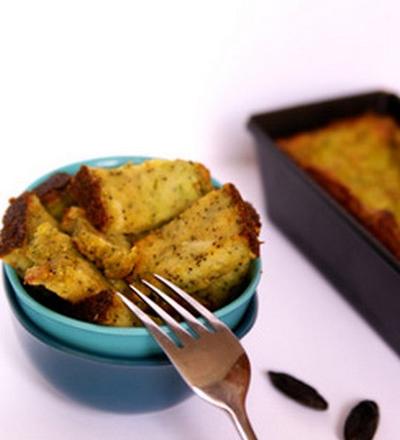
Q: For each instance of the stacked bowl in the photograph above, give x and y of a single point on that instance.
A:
(115, 368)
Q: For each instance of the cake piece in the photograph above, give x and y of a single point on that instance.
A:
(357, 161)
(24, 214)
(54, 194)
(43, 256)
(207, 249)
(134, 198)
(59, 267)
(112, 253)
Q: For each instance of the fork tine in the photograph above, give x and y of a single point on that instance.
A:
(183, 335)
(189, 318)
(203, 311)
(164, 340)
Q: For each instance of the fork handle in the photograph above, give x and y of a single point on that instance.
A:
(242, 423)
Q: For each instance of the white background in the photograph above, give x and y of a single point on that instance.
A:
(82, 79)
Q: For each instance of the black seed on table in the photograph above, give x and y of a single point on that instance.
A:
(362, 421)
(298, 390)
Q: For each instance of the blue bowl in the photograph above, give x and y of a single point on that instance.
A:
(112, 384)
(115, 342)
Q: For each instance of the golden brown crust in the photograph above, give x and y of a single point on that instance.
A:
(86, 190)
(54, 194)
(51, 188)
(94, 308)
(382, 224)
(383, 126)
(14, 232)
(204, 181)
(338, 157)
(249, 219)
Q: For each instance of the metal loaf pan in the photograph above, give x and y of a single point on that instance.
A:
(363, 271)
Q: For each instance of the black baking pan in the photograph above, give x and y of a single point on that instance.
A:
(363, 271)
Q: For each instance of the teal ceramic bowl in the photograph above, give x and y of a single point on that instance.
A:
(115, 342)
(117, 385)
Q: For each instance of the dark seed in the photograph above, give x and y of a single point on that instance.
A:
(362, 422)
(298, 390)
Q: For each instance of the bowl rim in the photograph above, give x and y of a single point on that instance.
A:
(23, 295)
(241, 329)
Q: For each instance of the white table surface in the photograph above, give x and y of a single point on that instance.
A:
(174, 79)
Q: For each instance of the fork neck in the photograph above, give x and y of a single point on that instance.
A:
(242, 422)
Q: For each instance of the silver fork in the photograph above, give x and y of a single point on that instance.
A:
(211, 361)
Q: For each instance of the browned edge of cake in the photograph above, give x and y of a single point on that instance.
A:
(381, 224)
